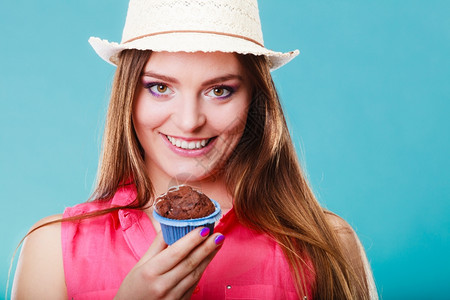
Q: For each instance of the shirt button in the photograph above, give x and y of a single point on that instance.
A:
(229, 287)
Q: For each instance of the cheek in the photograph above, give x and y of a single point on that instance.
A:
(147, 116)
(232, 123)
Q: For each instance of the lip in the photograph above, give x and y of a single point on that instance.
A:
(189, 152)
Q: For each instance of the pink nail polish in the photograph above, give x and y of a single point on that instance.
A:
(219, 239)
(204, 232)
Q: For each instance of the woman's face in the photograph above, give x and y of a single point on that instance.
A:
(189, 113)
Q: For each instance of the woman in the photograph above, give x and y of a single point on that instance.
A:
(193, 102)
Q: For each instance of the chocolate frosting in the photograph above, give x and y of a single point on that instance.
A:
(184, 203)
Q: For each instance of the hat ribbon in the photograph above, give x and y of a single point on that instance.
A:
(195, 31)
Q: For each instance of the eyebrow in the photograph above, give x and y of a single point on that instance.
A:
(161, 77)
(223, 78)
(207, 82)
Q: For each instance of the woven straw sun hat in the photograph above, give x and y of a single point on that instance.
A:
(191, 26)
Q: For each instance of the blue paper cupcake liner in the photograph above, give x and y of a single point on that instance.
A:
(173, 230)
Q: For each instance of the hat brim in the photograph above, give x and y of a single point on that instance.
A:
(190, 42)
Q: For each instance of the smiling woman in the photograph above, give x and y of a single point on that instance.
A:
(193, 102)
(189, 114)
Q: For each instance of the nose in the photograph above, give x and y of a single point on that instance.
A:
(189, 115)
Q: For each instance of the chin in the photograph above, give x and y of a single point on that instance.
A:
(195, 175)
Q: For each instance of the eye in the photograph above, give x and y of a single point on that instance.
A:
(161, 88)
(220, 92)
(158, 89)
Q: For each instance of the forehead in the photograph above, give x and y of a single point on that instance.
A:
(207, 63)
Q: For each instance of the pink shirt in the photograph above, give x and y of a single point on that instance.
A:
(98, 253)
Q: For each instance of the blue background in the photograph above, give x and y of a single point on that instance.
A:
(367, 102)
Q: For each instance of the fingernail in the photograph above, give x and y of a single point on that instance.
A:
(204, 232)
(219, 239)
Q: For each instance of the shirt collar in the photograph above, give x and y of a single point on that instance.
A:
(125, 195)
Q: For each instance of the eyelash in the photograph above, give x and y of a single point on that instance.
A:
(151, 85)
(229, 89)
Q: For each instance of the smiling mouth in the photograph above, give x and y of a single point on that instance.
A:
(189, 145)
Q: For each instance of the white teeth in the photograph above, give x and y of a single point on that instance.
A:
(187, 145)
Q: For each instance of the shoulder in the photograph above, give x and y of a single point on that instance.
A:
(352, 249)
(346, 235)
(86, 207)
(45, 233)
(40, 271)
(336, 221)
(47, 220)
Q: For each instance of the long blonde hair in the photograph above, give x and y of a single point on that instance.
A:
(270, 194)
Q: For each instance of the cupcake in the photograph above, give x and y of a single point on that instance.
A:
(183, 209)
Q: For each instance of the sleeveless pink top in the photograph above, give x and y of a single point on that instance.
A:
(99, 252)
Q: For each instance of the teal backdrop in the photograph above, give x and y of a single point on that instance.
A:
(367, 100)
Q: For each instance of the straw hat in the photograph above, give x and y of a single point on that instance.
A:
(191, 26)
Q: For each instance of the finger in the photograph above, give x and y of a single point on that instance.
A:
(191, 281)
(186, 286)
(156, 247)
(195, 263)
(189, 292)
(178, 251)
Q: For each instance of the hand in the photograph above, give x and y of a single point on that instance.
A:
(171, 272)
